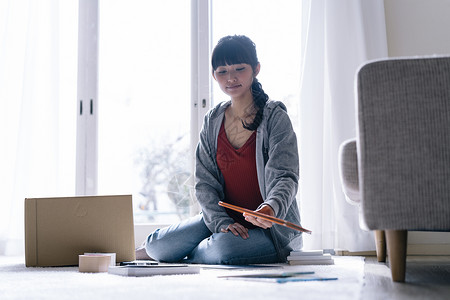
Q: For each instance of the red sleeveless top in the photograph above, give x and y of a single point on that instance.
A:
(238, 167)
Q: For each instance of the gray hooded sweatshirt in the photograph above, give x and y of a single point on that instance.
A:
(277, 166)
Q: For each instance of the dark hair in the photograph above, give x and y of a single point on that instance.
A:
(239, 49)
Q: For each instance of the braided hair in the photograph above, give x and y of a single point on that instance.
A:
(239, 49)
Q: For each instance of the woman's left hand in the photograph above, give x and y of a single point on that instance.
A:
(265, 209)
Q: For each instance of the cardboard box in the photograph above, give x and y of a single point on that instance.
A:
(58, 230)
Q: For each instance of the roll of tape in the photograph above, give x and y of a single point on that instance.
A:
(113, 256)
(93, 263)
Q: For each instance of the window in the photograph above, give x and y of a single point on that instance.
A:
(144, 106)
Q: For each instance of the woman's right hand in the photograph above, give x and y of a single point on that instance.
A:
(237, 229)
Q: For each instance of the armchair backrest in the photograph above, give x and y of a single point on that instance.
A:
(404, 143)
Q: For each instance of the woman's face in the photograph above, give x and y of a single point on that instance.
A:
(235, 80)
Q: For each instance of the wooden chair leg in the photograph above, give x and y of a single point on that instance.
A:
(396, 246)
(380, 243)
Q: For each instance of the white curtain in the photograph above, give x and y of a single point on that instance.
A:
(37, 123)
(341, 35)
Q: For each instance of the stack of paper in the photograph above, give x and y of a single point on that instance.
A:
(310, 257)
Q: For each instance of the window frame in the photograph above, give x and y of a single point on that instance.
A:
(87, 99)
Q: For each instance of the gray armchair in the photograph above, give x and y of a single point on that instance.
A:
(397, 170)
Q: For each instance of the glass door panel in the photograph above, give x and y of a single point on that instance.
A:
(144, 106)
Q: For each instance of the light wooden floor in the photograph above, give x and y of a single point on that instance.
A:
(427, 277)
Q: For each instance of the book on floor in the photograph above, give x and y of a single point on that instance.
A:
(281, 277)
(152, 270)
(311, 262)
(310, 257)
(306, 252)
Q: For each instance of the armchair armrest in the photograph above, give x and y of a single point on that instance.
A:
(348, 171)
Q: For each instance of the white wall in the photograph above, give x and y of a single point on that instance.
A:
(417, 27)
(420, 27)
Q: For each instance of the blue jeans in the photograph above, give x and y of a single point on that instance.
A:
(191, 242)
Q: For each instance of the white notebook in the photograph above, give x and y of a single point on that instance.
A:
(310, 257)
(151, 270)
(306, 252)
